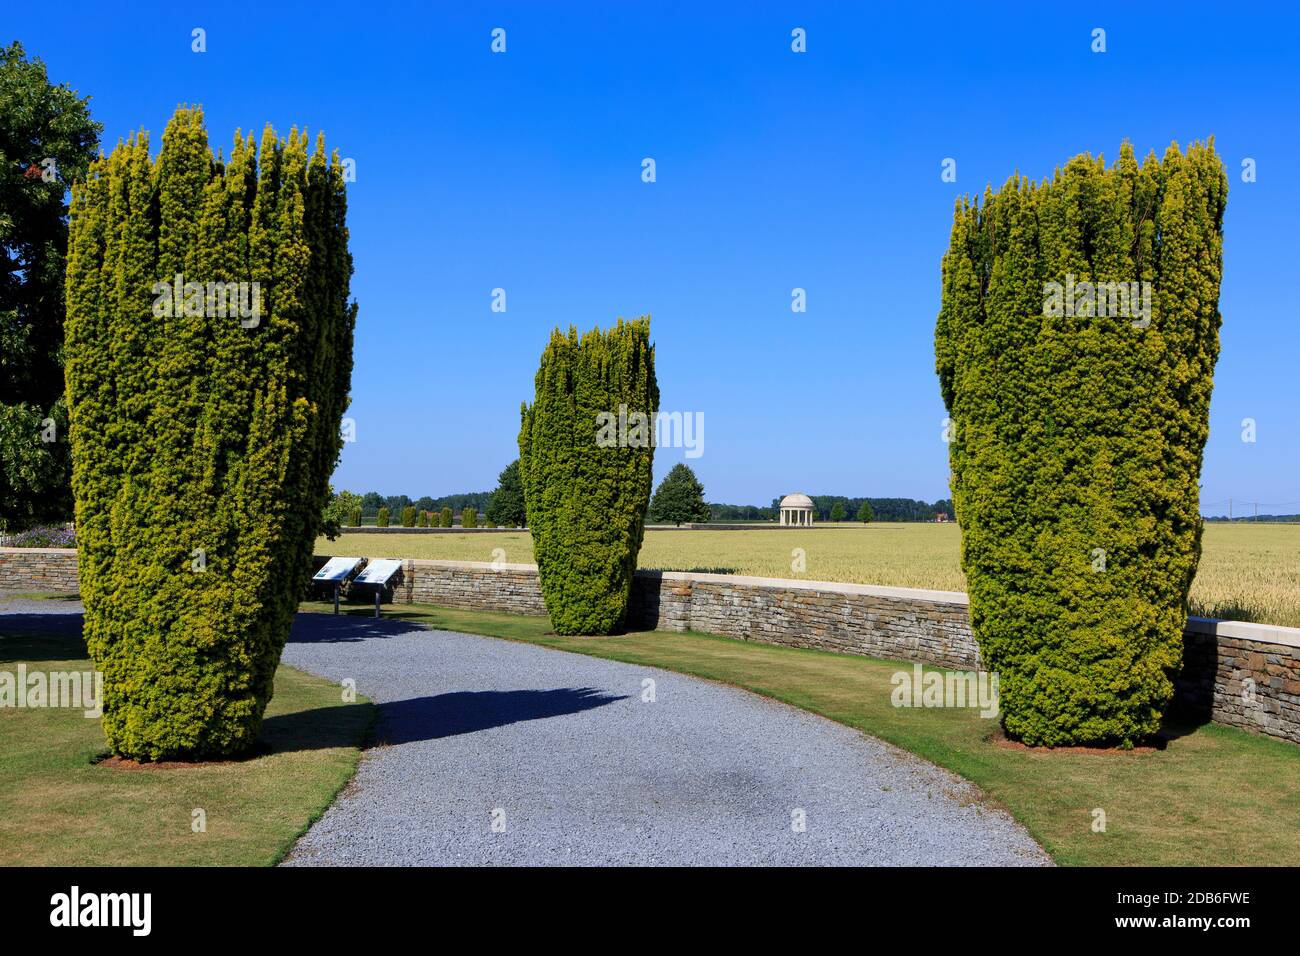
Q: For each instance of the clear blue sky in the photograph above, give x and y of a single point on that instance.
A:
(775, 170)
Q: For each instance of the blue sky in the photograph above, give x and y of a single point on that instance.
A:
(775, 170)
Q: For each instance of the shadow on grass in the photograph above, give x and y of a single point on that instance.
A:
(41, 637)
(319, 728)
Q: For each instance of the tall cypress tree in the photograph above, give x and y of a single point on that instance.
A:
(1077, 433)
(586, 456)
(204, 420)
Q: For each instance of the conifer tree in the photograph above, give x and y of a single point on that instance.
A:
(1077, 433)
(204, 422)
(586, 453)
(679, 497)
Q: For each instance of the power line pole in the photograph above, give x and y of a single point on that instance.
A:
(1229, 510)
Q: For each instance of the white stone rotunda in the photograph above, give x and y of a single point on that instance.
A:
(796, 511)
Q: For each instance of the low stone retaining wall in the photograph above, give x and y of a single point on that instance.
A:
(1245, 675)
(39, 570)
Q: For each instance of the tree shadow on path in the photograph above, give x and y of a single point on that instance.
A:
(465, 712)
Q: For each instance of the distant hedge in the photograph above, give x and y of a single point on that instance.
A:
(586, 480)
(1077, 429)
(204, 420)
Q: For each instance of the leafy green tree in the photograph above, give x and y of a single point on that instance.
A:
(204, 422)
(586, 454)
(381, 518)
(837, 511)
(679, 498)
(446, 517)
(408, 516)
(371, 502)
(435, 519)
(338, 512)
(47, 140)
(422, 520)
(864, 512)
(354, 517)
(507, 504)
(1077, 433)
(468, 518)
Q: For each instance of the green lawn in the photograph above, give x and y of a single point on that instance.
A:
(1214, 796)
(58, 807)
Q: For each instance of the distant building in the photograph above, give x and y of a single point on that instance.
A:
(941, 516)
(796, 511)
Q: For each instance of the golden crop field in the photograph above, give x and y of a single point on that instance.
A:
(1248, 571)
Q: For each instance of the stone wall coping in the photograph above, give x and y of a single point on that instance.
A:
(469, 565)
(70, 552)
(1246, 631)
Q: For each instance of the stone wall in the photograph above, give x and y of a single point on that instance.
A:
(44, 570)
(1245, 675)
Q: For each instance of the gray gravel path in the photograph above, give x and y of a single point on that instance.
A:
(493, 752)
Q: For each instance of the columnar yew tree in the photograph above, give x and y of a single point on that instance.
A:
(1078, 420)
(202, 436)
(586, 451)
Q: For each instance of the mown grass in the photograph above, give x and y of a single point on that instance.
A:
(1213, 796)
(1248, 572)
(59, 807)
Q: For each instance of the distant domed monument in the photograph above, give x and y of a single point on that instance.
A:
(796, 511)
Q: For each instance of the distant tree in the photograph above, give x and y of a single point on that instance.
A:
(507, 504)
(468, 518)
(425, 503)
(435, 519)
(422, 520)
(446, 517)
(837, 511)
(864, 512)
(679, 498)
(395, 503)
(338, 512)
(371, 502)
(381, 519)
(408, 516)
(47, 140)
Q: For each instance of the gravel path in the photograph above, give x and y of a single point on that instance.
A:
(492, 752)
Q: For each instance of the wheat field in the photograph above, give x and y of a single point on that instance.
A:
(1248, 572)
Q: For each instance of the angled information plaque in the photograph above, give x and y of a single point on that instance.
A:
(336, 570)
(378, 571)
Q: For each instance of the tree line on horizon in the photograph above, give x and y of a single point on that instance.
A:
(824, 506)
